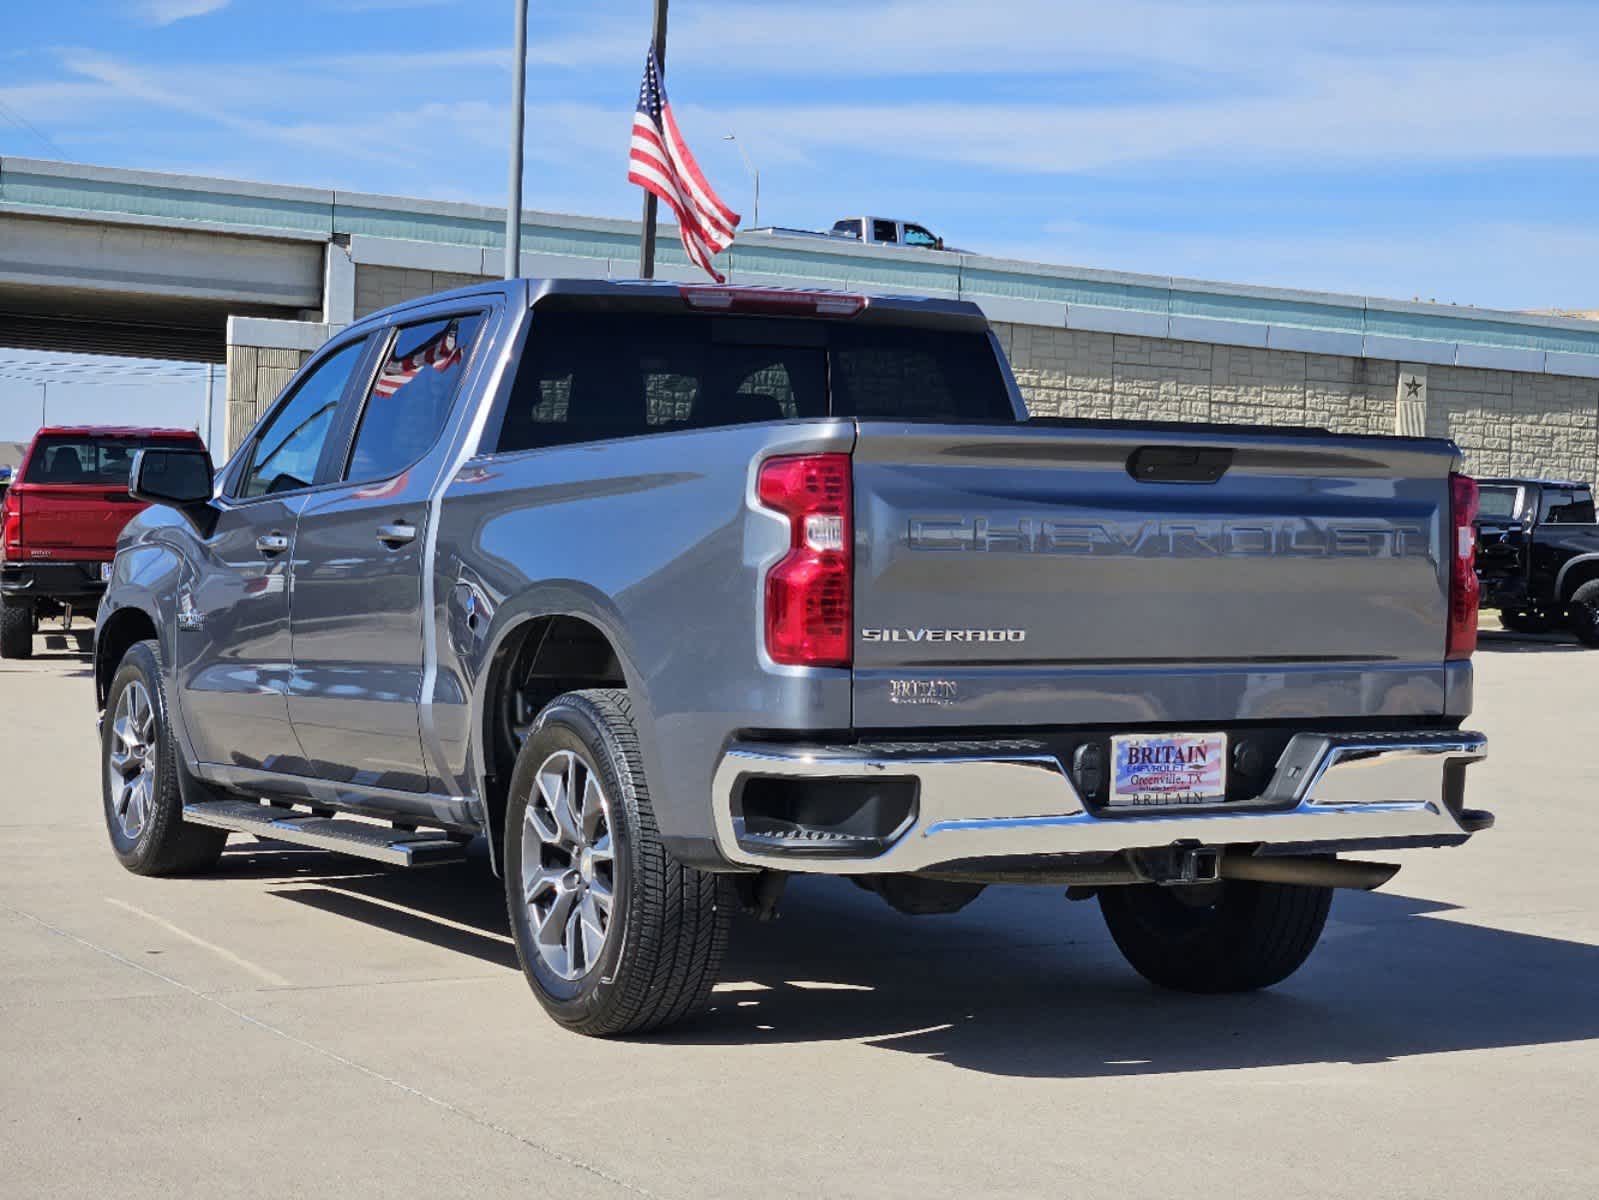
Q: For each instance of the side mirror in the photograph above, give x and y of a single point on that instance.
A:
(177, 477)
(938, 243)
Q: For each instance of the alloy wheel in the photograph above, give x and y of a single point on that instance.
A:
(130, 761)
(568, 865)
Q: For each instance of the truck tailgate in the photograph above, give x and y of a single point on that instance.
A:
(1054, 573)
(74, 520)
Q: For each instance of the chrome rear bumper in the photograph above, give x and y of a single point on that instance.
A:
(1013, 799)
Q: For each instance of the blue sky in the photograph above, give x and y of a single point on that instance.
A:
(1444, 149)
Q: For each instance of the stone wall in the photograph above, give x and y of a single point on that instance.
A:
(1506, 422)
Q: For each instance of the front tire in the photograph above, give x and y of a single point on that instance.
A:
(613, 935)
(1232, 936)
(139, 771)
(16, 629)
(1585, 613)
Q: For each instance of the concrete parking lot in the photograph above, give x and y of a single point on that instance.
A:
(298, 1024)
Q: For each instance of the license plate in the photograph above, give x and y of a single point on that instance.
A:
(105, 572)
(1152, 770)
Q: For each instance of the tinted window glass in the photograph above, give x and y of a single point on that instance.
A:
(915, 235)
(411, 398)
(916, 374)
(590, 376)
(587, 377)
(1496, 503)
(287, 449)
(883, 231)
(1567, 508)
(101, 461)
(850, 228)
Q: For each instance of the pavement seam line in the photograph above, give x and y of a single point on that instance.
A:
(371, 1073)
(261, 973)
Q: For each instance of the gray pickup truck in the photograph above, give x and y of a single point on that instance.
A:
(671, 592)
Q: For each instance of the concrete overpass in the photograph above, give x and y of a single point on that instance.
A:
(132, 262)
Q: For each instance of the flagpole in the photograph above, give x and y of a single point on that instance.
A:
(513, 206)
(646, 244)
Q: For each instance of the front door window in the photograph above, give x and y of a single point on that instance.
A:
(289, 446)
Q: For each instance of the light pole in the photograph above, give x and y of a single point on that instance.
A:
(755, 217)
(513, 205)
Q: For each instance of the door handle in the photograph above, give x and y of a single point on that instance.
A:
(271, 543)
(399, 534)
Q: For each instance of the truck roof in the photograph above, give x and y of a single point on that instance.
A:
(151, 431)
(670, 294)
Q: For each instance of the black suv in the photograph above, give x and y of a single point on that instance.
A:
(1538, 555)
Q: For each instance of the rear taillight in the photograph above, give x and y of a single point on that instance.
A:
(1462, 567)
(10, 526)
(808, 590)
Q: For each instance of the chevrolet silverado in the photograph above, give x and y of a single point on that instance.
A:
(670, 592)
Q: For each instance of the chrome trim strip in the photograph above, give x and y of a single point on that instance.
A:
(1376, 787)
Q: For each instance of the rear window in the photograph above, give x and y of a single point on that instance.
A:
(592, 376)
(101, 461)
(1497, 503)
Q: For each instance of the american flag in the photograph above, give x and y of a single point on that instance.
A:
(441, 352)
(660, 161)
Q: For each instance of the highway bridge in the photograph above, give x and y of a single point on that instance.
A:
(104, 260)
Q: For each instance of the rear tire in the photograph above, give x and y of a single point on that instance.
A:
(1252, 936)
(139, 765)
(16, 629)
(614, 936)
(1585, 613)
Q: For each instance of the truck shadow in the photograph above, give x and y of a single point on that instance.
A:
(1497, 642)
(1024, 984)
(58, 645)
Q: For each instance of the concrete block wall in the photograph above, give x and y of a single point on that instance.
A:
(1505, 422)
(379, 287)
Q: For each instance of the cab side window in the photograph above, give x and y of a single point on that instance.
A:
(289, 446)
(884, 231)
(1568, 508)
(411, 398)
(915, 235)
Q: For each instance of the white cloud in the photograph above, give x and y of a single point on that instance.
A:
(166, 12)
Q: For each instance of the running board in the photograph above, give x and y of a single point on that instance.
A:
(399, 847)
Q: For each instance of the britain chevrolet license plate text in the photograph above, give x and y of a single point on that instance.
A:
(1152, 770)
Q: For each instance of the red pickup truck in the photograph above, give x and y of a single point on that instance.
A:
(60, 519)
